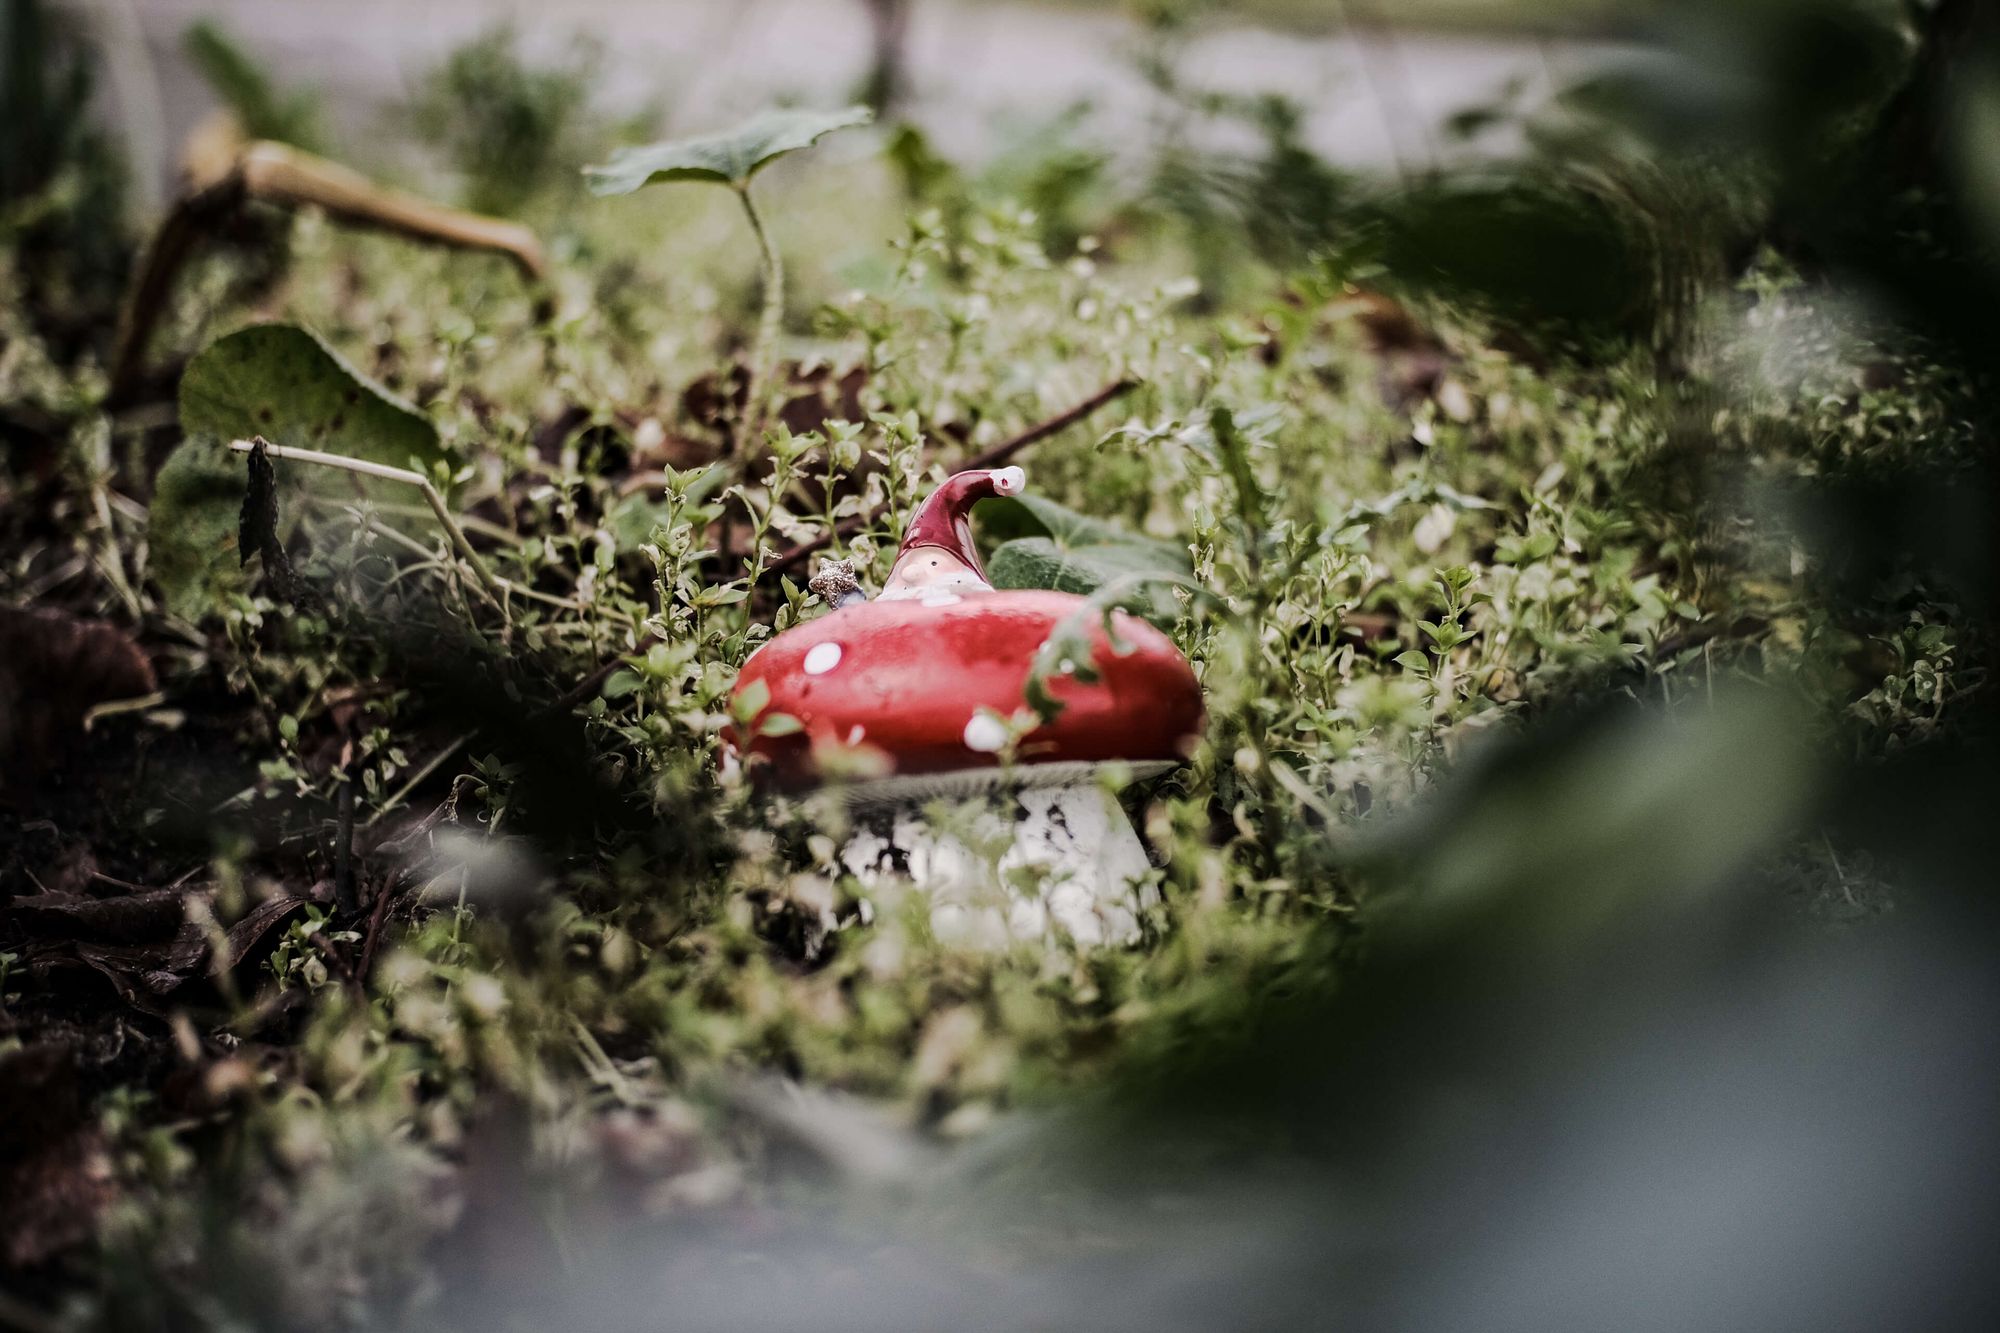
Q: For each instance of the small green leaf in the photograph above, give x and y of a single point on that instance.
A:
(1232, 447)
(729, 158)
(1070, 646)
(751, 700)
(779, 724)
(716, 594)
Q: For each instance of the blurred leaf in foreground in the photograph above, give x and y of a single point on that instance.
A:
(1598, 813)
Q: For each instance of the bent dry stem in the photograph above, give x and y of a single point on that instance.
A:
(289, 177)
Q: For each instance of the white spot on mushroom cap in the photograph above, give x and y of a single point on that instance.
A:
(822, 658)
(985, 733)
(1009, 480)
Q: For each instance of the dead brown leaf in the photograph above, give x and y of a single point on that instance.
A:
(55, 1173)
(54, 668)
(130, 918)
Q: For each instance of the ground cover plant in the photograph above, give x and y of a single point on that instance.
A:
(1593, 637)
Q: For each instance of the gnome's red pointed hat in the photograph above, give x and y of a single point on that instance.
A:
(937, 546)
(925, 678)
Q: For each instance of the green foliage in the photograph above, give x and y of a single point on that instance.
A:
(191, 527)
(1383, 577)
(233, 75)
(43, 98)
(512, 131)
(1531, 253)
(282, 383)
(1043, 544)
(62, 187)
(1602, 807)
(730, 158)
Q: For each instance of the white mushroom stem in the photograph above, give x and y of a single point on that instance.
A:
(1071, 865)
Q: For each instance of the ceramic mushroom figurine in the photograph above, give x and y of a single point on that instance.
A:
(926, 686)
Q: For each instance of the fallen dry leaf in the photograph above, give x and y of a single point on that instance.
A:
(130, 918)
(55, 1176)
(54, 668)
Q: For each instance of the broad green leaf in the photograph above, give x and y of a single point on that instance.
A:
(191, 528)
(282, 383)
(729, 158)
(1039, 562)
(1046, 545)
(1005, 519)
(1614, 807)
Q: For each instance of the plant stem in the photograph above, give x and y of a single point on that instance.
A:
(381, 529)
(417, 479)
(761, 349)
(470, 522)
(417, 779)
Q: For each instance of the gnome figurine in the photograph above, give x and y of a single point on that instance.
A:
(937, 552)
(924, 691)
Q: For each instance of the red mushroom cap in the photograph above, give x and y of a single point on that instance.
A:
(911, 678)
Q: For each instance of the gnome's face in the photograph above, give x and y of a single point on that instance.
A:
(928, 569)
